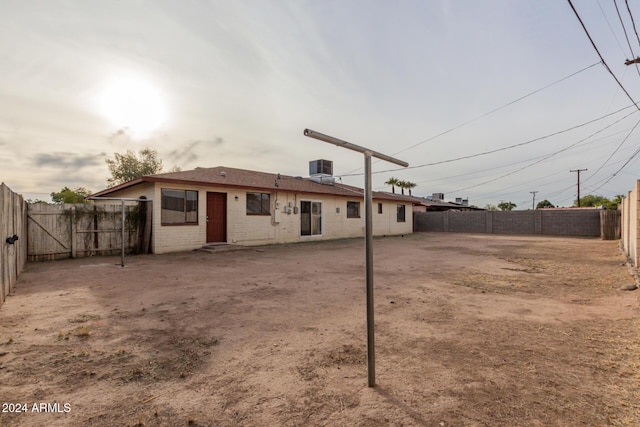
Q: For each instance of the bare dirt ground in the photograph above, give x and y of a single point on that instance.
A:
(472, 330)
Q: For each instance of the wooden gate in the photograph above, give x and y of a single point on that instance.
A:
(610, 225)
(80, 230)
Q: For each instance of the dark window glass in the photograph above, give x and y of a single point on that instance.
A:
(353, 209)
(401, 213)
(179, 206)
(258, 204)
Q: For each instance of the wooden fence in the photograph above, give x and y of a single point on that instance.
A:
(610, 225)
(81, 230)
(13, 239)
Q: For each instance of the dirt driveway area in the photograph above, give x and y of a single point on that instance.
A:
(471, 330)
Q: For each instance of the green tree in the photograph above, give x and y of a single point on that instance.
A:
(506, 206)
(128, 166)
(490, 207)
(544, 204)
(616, 201)
(67, 195)
(595, 201)
(392, 182)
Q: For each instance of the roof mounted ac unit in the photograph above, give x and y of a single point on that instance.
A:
(321, 167)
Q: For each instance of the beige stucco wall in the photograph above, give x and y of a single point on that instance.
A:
(631, 224)
(279, 227)
(145, 189)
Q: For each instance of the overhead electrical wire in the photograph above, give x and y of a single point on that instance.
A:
(495, 168)
(633, 22)
(615, 151)
(626, 35)
(484, 153)
(497, 109)
(619, 84)
(546, 157)
(601, 57)
(613, 33)
(613, 175)
(486, 114)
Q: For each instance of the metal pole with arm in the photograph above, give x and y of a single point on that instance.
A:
(368, 242)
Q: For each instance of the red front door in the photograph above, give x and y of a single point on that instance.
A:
(216, 217)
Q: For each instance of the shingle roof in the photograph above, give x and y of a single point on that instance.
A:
(242, 178)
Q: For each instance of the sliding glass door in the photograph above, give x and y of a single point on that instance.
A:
(310, 218)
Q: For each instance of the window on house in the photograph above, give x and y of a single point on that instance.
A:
(353, 209)
(179, 207)
(379, 208)
(401, 213)
(258, 204)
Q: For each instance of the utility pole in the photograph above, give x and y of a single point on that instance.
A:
(533, 204)
(578, 170)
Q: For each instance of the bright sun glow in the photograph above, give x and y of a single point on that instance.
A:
(132, 103)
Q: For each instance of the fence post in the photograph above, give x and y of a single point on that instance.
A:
(74, 233)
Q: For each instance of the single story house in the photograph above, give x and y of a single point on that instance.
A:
(221, 204)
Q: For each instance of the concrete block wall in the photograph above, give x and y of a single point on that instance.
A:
(580, 222)
(515, 222)
(470, 222)
(583, 222)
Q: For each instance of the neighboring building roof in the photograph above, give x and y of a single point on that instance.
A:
(442, 205)
(242, 178)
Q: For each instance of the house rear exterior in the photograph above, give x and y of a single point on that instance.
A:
(221, 204)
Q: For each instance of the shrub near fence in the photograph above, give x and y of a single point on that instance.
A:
(13, 253)
(551, 222)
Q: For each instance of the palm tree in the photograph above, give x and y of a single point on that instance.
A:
(392, 182)
(410, 185)
(402, 185)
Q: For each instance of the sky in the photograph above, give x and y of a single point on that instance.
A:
(489, 100)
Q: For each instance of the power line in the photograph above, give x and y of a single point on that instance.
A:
(547, 156)
(633, 22)
(484, 153)
(616, 150)
(624, 30)
(499, 108)
(600, 183)
(601, 57)
(495, 168)
(487, 113)
(619, 170)
(613, 33)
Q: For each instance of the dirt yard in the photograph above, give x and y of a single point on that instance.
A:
(471, 330)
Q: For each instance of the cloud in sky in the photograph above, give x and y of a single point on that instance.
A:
(254, 74)
(67, 160)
